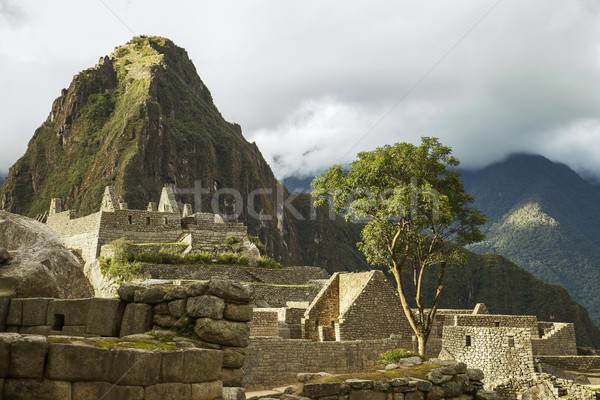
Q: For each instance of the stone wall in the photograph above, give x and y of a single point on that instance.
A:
(448, 382)
(50, 368)
(498, 352)
(495, 321)
(275, 361)
(558, 339)
(286, 276)
(80, 234)
(374, 310)
(324, 311)
(215, 314)
(280, 295)
(573, 363)
(265, 322)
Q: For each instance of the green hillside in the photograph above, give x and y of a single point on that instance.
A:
(544, 217)
(506, 288)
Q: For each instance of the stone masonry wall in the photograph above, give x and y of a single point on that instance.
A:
(495, 321)
(265, 322)
(274, 361)
(498, 352)
(42, 368)
(375, 313)
(324, 311)
(573, 363)
(558, 339)
(285, 276)
(80, 233)
(214, 313)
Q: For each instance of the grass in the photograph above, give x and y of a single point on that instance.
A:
(144, 344)
(418, 371)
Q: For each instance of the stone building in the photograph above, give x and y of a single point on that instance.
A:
(162, 223)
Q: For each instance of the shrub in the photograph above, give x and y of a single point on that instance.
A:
(231, 240)
(394, 356)
(266, 262)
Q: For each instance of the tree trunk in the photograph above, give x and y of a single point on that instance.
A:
(422, 343)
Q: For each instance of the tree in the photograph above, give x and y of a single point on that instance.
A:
(417, 215)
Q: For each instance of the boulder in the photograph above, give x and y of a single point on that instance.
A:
(227, 333)
(40, 265)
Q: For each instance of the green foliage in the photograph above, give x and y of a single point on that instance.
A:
(231, 240)
(266, 262)
(394, 356)
(417, 211)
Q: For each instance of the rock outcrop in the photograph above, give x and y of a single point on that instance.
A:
(35, 263)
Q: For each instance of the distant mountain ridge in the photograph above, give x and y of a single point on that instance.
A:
(544, 217)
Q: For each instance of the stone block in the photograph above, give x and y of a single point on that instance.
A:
(360, 384)
(366, 395)
(72, 331)
(205, 306)
(161, 308)
(44, 330)
(168, 321)
(227, 333)
(133, 367)
(106, 391)
(38, 389)
(321, 389)
(234, 393)
(127, 292)
(197, 289)
(150, 295)
(136, 319)
(177, 292)
(207, 390)
(232, 377)
(238, 312)
(168, 391)
(233, 357)
(202, 365)
(452, 388)
(436, 393)
(69, 362)
(171, 366)
(177, 308)
(414, 396)
(229, 290)
(34, 311)
(28, 357)
(67, 312)
(6, 340)
(104, 317)
(15, 312)
(4, 305)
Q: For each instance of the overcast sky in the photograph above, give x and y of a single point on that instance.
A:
(313, 82)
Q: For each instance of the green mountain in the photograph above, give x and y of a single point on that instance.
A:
(506, 288)
(2, 179)
(142, 117)
(544, 217)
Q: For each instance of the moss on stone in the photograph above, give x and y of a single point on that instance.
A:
(418, 371)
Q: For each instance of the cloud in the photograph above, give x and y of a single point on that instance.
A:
(11, 13)
(309, 82)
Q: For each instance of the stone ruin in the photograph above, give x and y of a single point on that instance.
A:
(162, 223)
(81, 349)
